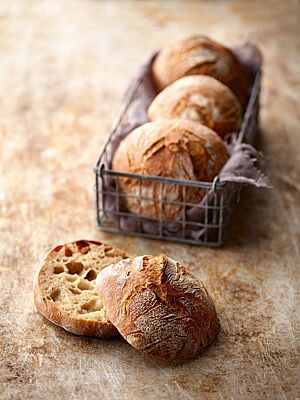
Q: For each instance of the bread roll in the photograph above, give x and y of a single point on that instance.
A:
(158, 306)
(64, 287)
(179, 149)
(199, 98)
(199, 55)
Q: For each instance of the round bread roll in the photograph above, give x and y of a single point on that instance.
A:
(158, 306)
(179, 149)
(199, 98)
(199, 55)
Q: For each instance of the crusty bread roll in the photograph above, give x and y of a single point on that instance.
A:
(64, 290)
(158, 306)
(199, 55)
(199, 98)
(178, 149)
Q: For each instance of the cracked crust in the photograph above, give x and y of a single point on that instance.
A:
(179, 149)
(64, 289)
(202, 99)
(199, 55)
(158, 306)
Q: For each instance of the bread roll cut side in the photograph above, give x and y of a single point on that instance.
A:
(64, 289)
(159, 307)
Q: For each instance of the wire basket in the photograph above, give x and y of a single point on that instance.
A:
(203, 222)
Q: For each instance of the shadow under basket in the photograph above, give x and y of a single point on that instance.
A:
(203, 222)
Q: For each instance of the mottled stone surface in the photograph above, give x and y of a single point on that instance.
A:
(63, 68)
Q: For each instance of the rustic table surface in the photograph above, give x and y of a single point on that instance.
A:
(63, 68)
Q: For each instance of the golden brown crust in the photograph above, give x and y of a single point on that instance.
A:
(158, 306)
(179, 149)
(202, 99)
(64, 287)
(199, 55)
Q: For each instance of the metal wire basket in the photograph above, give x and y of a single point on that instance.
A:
(203, 223)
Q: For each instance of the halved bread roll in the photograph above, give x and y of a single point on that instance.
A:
(199, 98)
(158, 306)
(64, 290)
